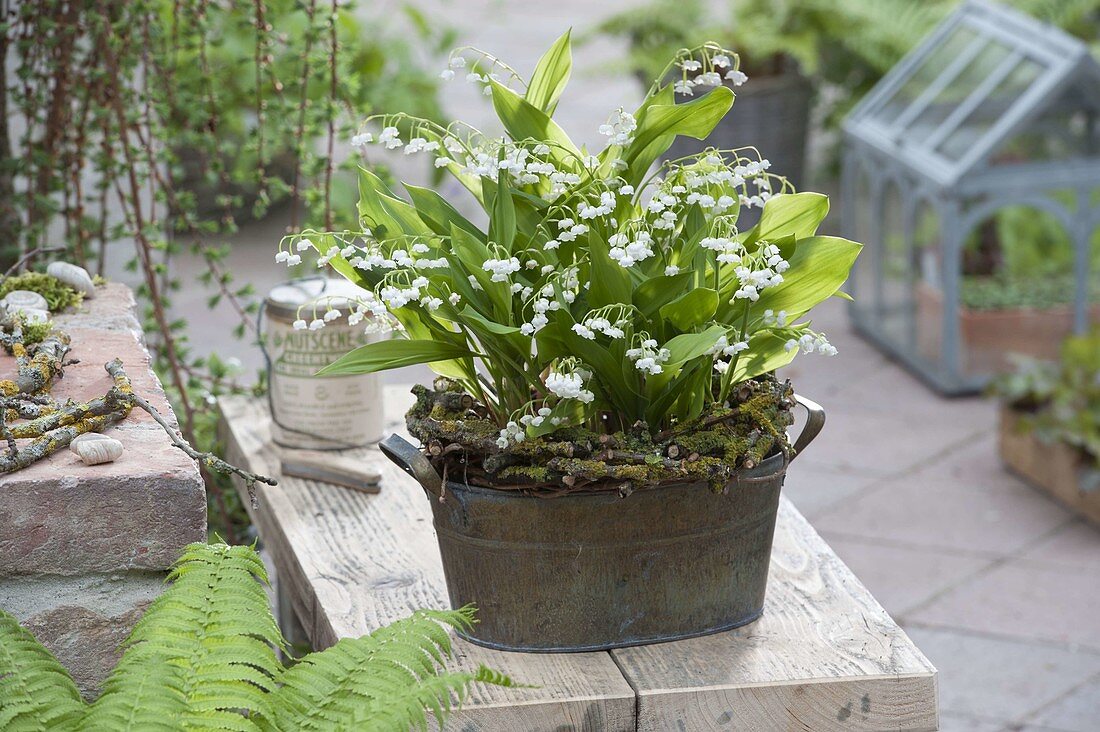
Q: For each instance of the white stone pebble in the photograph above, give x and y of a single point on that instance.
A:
(74, 276)
(96, 452)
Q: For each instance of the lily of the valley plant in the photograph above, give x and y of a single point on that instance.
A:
(606, 297)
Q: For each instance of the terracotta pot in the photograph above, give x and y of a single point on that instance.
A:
(989, 337)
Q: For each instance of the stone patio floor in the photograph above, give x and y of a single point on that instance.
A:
(997, 584)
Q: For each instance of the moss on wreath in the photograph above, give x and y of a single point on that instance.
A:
(459, 437)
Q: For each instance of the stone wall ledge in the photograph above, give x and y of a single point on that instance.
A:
(62, 517)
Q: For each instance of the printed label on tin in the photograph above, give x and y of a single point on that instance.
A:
(304, 352)
(311, 411)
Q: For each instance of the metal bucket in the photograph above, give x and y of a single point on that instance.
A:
(308, 411)
(592, 571)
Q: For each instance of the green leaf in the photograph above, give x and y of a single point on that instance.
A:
(488, 325)
(670, 393)
(422, 326)
(819, 266)
(663, 122)
(524, 121)
(493, 335)
(767, 352)
(486, 675)
(682, 348)
(691, 345)
(610, 282)
(551, 75)
(386, 355)
(692, 309)
(790, 214)
(387, 214)
(221, 678)
(469, 181)
(558, 339)
(388, 680)
(530, 213)
(568, 412)
(658, 291)
(692, 397)
(437, 213)
(472, 253)
(502, 221)
(365, 279)
(36, 692)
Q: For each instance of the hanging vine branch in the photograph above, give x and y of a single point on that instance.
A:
(139, 113)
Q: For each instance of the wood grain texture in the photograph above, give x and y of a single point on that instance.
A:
(350, 562)
(825, 656)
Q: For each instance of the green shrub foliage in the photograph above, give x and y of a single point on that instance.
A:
(203, 657)
(1061, 402)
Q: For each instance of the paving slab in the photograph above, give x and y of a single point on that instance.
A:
(881, 444)
(1000, 679)
(822, 379)
(950, 722)
(1043, 603)
(921, 510)
(974, 464)
(1076, 546)
(1077, 711)
(902, 578)
(815, 489)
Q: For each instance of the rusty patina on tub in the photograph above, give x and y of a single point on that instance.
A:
(592, 571)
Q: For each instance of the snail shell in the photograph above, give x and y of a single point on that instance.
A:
(74, 276)
(86, 437)
(95, 452)
(23, 300)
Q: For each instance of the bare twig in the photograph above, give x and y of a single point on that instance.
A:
(57, 430)
(23, 259)
(207, 459)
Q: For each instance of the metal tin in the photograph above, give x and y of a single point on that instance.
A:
(592, 571)
(325, 413)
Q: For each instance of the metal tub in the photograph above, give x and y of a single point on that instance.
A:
(592, 571)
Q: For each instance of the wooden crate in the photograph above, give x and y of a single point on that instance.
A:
(1054, 468)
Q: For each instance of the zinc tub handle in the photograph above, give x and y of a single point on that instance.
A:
(409, 458)
(815, 420)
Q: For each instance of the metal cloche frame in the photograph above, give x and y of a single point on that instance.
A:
(931, 127)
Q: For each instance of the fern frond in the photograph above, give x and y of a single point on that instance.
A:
(486, 675)
(36, 692)
(142, 693)
(387, 680)
(203, 654)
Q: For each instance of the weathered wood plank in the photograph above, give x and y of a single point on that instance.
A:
(351, 562)
(824, 656)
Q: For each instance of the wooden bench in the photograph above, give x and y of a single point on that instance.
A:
(824, 656)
